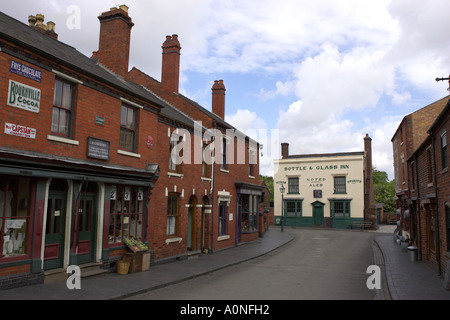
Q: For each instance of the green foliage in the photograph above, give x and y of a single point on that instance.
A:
(384, 190)
(269, 183)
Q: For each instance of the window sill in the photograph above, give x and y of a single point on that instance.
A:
(172, 240)
(206, 179)
(445, 170)
(222, 238)
(224, 170)
(129, 154)
(251, 177)
(174, 174)
(63, 140)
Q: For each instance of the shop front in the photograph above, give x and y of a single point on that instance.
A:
(248, 198)
(56, 212)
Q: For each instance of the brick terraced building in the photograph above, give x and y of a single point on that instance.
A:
(89, 158)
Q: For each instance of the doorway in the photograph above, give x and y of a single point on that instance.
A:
(86, 225)
(191, 245)
(55, 228)
(318, 213)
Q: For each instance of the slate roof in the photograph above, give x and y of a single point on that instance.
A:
(27, 37)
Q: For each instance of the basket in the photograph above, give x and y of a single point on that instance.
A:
(123, 267)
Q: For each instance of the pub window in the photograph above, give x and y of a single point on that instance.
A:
(293, 185)
(63, 101)
(15, 208)
(128, 129)
(223, 218)
(172, 214)
(444, 150)
(293, 208)
(340, 209)
(340, 184)
(126, 213)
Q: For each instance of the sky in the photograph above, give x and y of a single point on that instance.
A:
(319, 75)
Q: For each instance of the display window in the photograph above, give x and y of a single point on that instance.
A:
(15, 213)
(126, 218)
(249, 207)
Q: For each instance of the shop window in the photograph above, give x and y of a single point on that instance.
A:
(293, 185)
(249, 212)
(15, 215)
(172, 214)
(293, 208)
(340, 209)
(340, 184)
(128, 129)
(63, 101)
(126, 213)
(223, 212)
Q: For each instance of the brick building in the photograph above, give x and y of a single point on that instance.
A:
(408, 137)
(88, 157)
(429, 185)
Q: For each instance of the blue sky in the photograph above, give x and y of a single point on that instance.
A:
(321, 74)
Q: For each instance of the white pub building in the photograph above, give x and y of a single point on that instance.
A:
(332, 190)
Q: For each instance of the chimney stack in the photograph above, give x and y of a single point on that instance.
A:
(170, 73)
(115, 37)
(284, 150)
(218, 99)
(37, 23)
(370, 210)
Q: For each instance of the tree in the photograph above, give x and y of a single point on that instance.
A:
(384, 190)
(269, 183)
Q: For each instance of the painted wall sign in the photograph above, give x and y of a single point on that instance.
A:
(20, 131)
(23, 96)
(98, 149)
(323, 167)
(25, 71)
(150, 142)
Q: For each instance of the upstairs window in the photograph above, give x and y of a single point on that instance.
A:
(63, 101)
(444, 150)
(293, 186)
(340, 184)
(128, 129)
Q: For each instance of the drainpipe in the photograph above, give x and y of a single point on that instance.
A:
(438, 242)
(416, 172)
(213, 192)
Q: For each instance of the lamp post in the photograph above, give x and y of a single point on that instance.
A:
(282, 189)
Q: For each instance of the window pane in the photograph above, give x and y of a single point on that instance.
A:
(123, 116)
(57, 98)
(55, 120)
(64, 122)
(126, 139)
(130, 119)
(67, 97)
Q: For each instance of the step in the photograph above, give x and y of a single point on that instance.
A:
(60, 274)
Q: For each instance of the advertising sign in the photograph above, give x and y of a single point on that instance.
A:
(23, 96)
(20, 131)
(25, 71)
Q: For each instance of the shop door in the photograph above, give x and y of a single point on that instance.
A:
(55, 231)
(86, 229)
(318, 215)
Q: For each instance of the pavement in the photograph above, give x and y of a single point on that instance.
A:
(404, 279)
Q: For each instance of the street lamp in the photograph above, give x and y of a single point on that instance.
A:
(282, 189)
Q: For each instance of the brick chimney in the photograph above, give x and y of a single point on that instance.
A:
(284, 150)
(114, 44)
(37, 22)
(370, 210)
(170, 73)
(218, 98)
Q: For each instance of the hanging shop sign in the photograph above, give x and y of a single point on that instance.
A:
(25, 71)
(23, 96)
(20, 131)
(98, 149)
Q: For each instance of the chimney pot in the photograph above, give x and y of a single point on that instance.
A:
(124, 8)
(31, 20)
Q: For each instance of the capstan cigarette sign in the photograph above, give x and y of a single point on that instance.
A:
(20, 131)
